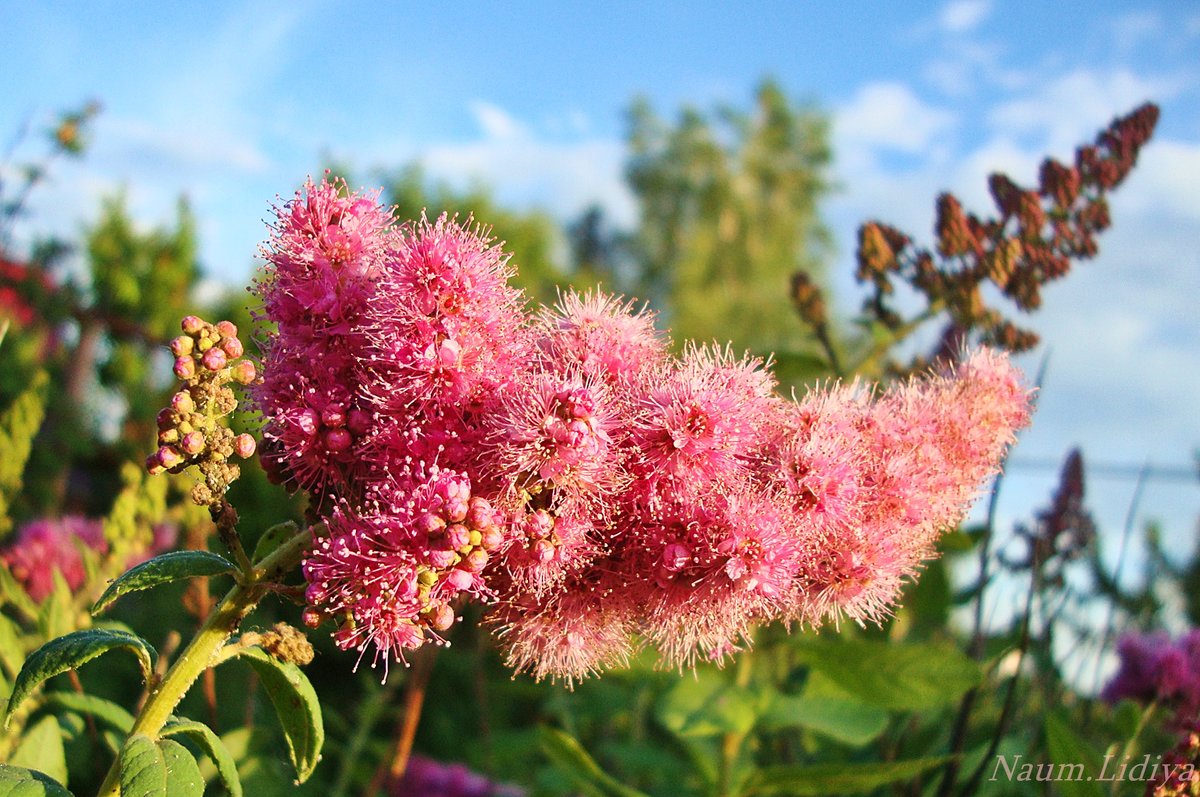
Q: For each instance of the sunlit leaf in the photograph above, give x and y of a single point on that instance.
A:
(70, 652)
(164, 569)
(296, 705)
(21, 782)
(212, 746)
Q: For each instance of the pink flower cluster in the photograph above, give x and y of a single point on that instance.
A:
(566, 466)
(1156, 667)
(48, 545)
(430, 778)
(45, 546)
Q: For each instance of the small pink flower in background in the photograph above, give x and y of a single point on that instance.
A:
(1153, 666)
(426, 777)
(45, 546)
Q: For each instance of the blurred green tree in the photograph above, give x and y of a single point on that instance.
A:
(729, 211)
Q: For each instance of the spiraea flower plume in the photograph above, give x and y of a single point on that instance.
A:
(564, 466)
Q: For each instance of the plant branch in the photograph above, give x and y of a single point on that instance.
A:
(204, 648)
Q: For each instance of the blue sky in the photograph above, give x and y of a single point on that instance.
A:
(234, 103)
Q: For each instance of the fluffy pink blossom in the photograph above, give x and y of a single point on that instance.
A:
(563, 465)
(603, 335)
(45, 547)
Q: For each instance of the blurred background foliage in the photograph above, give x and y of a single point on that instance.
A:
(729, 204)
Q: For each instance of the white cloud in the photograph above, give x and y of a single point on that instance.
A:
(495, 122)
(963, 16)
(1067, 110)
(889, 116)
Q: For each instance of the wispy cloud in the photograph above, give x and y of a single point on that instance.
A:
(963, 16)
(562, 174)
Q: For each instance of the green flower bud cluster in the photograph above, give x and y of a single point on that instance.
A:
(192, 429)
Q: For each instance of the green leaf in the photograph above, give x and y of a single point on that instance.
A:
(56, 616)
(568, 755)
(272, 538)
(41, 749)
(707, 705)
(836, 778)
(162, 570)
(899, 677)
(296, 705)
(70, 652)
(21, 782)
(14, 593)
(103, 710)
(845, 721)
(11, 650)
(1072, 754)
(213, 747)
(158, 769)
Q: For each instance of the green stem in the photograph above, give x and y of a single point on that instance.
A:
(204, 648)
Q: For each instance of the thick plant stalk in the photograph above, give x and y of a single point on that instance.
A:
(204, 647)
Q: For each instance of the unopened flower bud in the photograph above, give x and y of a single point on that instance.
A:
(479, 513)
(182, 345)
(192, 443)
(311, 617)
(166, 418)
(185, 368)
(431, 524)
(232, 347)
(168, 436)
(227, 329)
(439, 617)
(214, 359)
(333, 416)
(192, 324)
(338, 439)
(308, 421)
(459, 579)
(153, 466)
(457, 536)
(441, 559)
(204, 343)
(244, 372)
(543, 551)
(169, 457)
(475, 560)
(183, 403)
(491, 538)
(244, 445)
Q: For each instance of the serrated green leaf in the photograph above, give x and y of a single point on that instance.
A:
(568, 755)
(103, 710)
(846, 721)
(1067, 748)
(212, 746)
(70, 652)
(164, 569)
(158, 769)
(836, 778)
(900, 677)
(707, 705)
(21, 782)
(296, 705)
(41, 749)
(272, 538)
